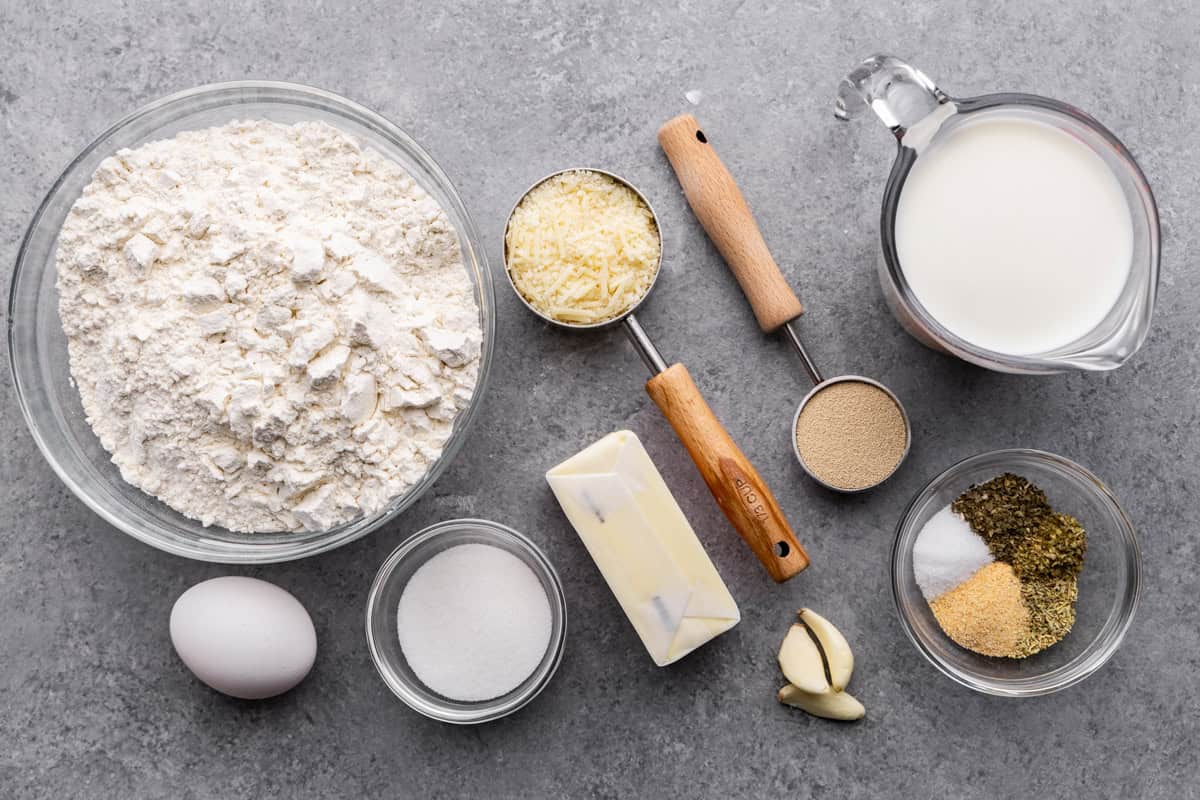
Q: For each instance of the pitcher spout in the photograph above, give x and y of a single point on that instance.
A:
(899, 93)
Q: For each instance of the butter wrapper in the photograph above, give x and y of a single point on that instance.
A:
(644, 546)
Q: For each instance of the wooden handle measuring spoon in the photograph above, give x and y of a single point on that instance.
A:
(860, 460)
(725, 215)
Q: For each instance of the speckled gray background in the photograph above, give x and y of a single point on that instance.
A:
(94, 703)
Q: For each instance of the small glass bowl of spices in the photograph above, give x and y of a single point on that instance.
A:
(466, 621)
(1016, 572)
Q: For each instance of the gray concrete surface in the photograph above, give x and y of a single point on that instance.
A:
(94, 703)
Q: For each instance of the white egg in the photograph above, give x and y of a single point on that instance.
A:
(244, 637)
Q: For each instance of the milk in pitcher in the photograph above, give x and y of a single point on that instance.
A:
(1013, 235)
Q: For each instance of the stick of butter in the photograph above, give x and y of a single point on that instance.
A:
(641, 541)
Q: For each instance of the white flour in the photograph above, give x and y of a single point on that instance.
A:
(271, 327)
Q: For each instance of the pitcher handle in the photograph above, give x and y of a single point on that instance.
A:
(899, 93)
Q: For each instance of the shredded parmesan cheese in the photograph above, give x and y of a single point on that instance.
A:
(582, 248)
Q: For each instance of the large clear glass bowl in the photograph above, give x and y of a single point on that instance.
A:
(38, 348)
(1109, 583)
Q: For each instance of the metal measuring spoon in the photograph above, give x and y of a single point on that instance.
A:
(732, 479)
(718, 204)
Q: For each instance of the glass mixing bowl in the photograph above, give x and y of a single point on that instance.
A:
(38, 348)
(383, 635)
(1108, 584)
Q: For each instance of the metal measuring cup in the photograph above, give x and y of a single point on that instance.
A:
(735, 484)
(723, 212)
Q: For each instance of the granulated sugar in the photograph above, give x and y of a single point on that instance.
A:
(946, 553)
(474, 622)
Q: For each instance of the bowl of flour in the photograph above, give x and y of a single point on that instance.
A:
(250, 323)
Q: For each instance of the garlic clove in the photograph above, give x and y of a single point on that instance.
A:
(801, 661)
(838, 654)
(828, 705)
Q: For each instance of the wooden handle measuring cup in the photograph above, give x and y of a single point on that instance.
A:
(725, 215)
(732, 479)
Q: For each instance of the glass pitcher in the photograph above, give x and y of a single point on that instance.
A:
(921, 116)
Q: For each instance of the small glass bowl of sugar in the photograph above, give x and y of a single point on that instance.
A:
(466, 621)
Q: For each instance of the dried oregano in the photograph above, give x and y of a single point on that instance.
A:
(1051, 605)
(1018, 525)
(1055, 550)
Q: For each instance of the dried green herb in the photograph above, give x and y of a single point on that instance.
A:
(1044, 547)
(1005, 511)
(1051, 604)
(1055, 550)
(1018, 525)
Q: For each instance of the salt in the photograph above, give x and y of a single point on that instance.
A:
(474, 622)
(946, 553)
